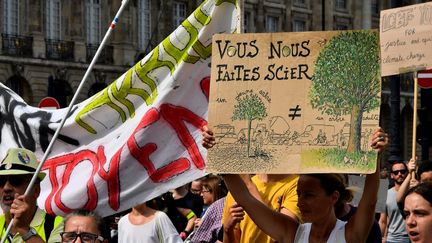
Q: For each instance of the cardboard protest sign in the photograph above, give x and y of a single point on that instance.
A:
(405, 39)
(294, 102)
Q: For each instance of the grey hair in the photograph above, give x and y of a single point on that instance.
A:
(99, 221)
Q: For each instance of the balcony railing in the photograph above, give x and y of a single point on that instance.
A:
(16, 45)
(59, 50)
(106, 56)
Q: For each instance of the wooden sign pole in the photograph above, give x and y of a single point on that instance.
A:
(240, 22)
(414, 128)
(414, 69)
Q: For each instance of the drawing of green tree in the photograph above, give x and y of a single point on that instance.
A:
(347, 79)
(249, 107)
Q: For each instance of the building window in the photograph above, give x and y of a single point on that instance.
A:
(10, 17)
(53, 21)
(144, 27)
(299, 25)
(20, 86)
(60, 89)
(272, 24)
(246, 22)
(342, 23)
(341, 4)
(179, 13)
(93, 22)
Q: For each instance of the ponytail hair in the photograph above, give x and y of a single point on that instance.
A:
(336, 182)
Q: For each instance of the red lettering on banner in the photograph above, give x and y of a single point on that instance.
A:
(142, 154)
(84, 155)
(205, 86)
(175, 116)
(112, 177)
(51, 165)
(71, 161)
(98, 160)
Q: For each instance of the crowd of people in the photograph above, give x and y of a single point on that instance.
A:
(234, 208)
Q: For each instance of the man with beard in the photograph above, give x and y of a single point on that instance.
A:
(30, 224)
(392, 222)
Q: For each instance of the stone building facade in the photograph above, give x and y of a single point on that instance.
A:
(47, 45)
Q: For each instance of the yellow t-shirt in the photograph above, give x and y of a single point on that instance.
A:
(277, 195)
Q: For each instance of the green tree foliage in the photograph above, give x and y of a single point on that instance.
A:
(249, 107)
(347, 79)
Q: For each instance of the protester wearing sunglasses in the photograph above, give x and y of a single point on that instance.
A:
(84, 226)
(391, 222)
(31, 224)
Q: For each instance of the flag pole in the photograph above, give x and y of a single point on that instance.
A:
(81, 85)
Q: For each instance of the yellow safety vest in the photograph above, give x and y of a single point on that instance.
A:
(40, 229)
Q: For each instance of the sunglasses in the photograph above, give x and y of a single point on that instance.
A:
(14, 181)
(402, 172)
(69, 237)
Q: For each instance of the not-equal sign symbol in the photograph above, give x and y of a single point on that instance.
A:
(293, 112)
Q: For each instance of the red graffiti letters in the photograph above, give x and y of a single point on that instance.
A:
(61, 168)
(205, 86)
(70, 160)
(176, 116)
(142, 155)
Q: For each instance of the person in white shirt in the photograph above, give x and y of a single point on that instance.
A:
(146, 225)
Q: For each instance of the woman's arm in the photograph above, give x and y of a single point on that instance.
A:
(191, 217)
(282, 228)
(383, 226)
(407, 183)
(232, 233)
(358, 227)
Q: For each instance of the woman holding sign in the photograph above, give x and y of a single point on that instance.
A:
(317, 196)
